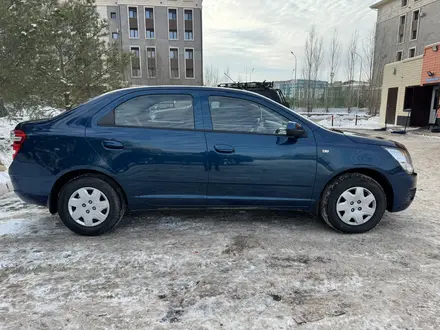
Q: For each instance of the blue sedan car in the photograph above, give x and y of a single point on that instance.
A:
(194, 147)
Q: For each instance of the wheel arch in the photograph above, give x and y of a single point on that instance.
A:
(66, 177)
(374, 174)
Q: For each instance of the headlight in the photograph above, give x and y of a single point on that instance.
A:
(403, 157)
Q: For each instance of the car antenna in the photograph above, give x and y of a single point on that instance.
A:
(230, 78)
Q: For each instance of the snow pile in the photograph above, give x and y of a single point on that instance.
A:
(8, 124)
(5, 183)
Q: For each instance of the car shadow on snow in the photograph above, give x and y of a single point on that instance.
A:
(225, 218)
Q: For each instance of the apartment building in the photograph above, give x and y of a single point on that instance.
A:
(405, 63)
(164, 37)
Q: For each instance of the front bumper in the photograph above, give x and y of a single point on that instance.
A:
(405, 188)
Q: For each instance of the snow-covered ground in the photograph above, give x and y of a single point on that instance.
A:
(348, 121)
(341, 118)
(336, 111)
(226, 269)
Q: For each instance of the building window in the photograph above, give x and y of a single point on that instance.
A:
(412, 52)
(189, 63)
(174, 63)
(173, 35)
(133, 22)
(172, 14)
(132, 12)
(188, 24)
(115, 35)
(149, 23)
(135, 62)
(149, 13)
(172, 24)
(402, 24)
(399, 55)
(189, 54)
(151, 62)
(404, 3)
(113, 15)
(149, 34)
(188, 15)
(415, 24)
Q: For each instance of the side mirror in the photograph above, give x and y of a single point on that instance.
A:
(294, 129)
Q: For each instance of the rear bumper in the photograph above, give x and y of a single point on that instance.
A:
(405, 188)
(33, 189)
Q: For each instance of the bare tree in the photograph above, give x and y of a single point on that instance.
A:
(211, 76)
(334, 59)
(318, 60)
(307, 70)
(371, 96)
(350, 69)
(313, 56)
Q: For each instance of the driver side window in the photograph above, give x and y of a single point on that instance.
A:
(238, 115)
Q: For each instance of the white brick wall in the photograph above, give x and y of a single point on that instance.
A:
(400, 74)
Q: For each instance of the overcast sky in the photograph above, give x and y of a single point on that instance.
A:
(260, 34)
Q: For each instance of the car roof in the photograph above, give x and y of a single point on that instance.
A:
(181, 87)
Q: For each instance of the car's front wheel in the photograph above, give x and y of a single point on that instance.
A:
(353, 203)
(89, 205)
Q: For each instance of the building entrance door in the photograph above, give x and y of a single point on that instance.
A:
(391, 106)
(435, 104)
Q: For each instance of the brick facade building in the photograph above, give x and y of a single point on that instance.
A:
(411, 89)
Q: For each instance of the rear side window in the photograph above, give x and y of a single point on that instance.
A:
(153, 111)
(238, 115)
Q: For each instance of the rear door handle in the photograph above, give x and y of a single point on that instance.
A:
(112, 144)
(224, 149)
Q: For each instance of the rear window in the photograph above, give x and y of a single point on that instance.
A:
(153, 111)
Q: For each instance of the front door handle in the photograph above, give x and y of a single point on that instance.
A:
(112, 144)
(224, 149)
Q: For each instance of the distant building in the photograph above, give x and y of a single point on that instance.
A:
(164, 37)
(297, 89)
(406, 60)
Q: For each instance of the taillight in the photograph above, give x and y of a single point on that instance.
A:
(17, 138)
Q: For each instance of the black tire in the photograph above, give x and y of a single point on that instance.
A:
(334, 190)
(114, 197)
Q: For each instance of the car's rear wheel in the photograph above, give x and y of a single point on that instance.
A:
(353, 203)
(89, 205)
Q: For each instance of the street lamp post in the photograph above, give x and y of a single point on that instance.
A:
(332, 92)
(250, 76)
(360, 78)
(296, 69)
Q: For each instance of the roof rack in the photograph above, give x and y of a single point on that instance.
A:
(248, 85)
